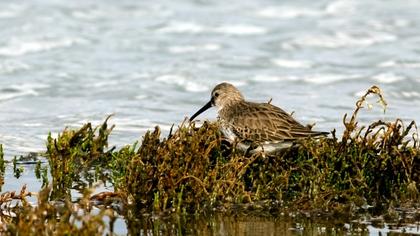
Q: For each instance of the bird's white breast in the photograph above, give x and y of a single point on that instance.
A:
(267, 147)
(228, 133)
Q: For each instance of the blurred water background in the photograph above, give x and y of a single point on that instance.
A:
(63, 63)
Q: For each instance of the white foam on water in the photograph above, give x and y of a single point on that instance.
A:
(241, 30)
(111, 80)
(33, 124)
(388, 25)
(404, 94)
(8, 14)
(343, 39)
(291, 63)
(11, 11)
(340, 7)
(391, 63)
(273, 78)
(106, 11)
(288, 12)
(141, 97)
(183, 82)
(11, 66)
(90, 14)
(289, 46)
(388, 78)
(313, 79)
(21, 90)
(105, 83)
(328, 78)
(8, 96)
(291, 12)
(238, 83)
(19, 47)
(387, 64)
(29, 86)
(401, 22)
(194, 48)
(266, 78)
(182, 27)
(410, 94)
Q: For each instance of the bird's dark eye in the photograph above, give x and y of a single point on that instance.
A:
(216, 94)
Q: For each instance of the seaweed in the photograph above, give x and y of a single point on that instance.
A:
(2, 166)
(193, 171)
(53, 217)
(187, 172)
(72, 154)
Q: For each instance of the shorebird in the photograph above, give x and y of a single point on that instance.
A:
(246, 123)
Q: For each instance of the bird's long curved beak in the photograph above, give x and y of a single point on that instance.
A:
(204, 108)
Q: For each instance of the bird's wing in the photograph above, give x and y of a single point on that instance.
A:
(265, 122)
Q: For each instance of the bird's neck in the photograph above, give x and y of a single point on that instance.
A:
(228, 108)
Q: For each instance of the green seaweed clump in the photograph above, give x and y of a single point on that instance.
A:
(54, 218)
(193, 170)
(174, 174)
(74, 153)
(376, 165)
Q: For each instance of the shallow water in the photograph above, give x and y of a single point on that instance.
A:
(282, 226)
(63, 63)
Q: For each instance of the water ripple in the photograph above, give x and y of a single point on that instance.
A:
(194, 48)
(342, 39)
(182, 82)
(286, 63)
(291, 12)
(181, 27)
(313, 79)
(241, 30)
(20, 90)
(288, 12)
(20, 47)
(388, 78)
(11, 66)
(11, 11)
(403, 64)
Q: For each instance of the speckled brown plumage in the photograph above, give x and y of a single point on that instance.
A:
(262, 123)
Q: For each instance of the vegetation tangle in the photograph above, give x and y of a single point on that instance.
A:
(372, 169)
